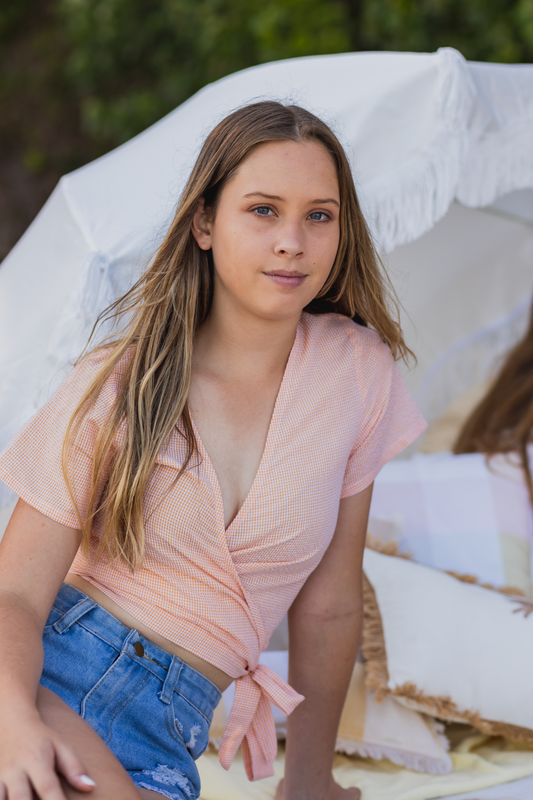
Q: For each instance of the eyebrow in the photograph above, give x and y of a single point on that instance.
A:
(277, 197)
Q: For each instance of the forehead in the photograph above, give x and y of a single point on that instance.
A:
(279, 168)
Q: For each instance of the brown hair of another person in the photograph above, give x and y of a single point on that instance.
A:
(503, 421)
(165, 308)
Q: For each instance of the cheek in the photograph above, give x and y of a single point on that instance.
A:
(239, 247)
(325, 249)
(232, 255)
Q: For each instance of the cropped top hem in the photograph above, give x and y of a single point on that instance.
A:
(197, 642)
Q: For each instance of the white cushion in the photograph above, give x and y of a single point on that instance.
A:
(450, 639)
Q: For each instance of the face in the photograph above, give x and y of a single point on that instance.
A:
(275, 233)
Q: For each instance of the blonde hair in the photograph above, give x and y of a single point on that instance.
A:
(173, 298)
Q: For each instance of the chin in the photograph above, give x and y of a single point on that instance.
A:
(280, 314)
(281, 308)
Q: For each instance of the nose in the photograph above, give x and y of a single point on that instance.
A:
(289, 242)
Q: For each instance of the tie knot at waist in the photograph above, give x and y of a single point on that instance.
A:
(251, 722)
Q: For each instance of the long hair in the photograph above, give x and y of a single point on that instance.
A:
(173, 298)
(503, 421)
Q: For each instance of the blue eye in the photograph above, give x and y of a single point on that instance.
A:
(263, 211)
(318, 216)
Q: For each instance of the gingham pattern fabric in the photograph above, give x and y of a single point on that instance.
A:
(341, 413)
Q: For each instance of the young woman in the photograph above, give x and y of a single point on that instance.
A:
(199, 475)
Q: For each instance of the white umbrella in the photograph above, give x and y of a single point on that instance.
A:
(422, 131)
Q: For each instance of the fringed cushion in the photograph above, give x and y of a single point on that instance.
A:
(448, 647)
(367, 728)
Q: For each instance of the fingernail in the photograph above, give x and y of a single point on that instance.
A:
(86, 780)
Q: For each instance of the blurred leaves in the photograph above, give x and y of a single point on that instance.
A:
(40, 135)
(482, 30)
(135, 60)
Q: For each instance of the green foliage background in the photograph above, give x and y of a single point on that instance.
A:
(78, 77)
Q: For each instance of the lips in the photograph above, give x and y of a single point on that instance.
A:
(286, 273)
(289, 279)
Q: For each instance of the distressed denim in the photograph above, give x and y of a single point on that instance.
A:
(150, 708)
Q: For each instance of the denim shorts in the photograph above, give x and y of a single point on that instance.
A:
(150, 708)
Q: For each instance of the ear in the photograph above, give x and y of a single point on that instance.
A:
(201, 226)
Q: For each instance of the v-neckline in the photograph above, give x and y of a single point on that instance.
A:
(209, 464)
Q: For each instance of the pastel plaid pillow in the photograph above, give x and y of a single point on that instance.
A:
(458, 513)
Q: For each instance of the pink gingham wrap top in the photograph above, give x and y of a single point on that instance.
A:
(341, 413)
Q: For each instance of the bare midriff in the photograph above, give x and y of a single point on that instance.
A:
(214, 674)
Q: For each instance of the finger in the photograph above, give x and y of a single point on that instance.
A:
(18, 786)
(69, 765)
(46, 784)
(3, 792)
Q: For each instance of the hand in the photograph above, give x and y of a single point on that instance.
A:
(32, 756)
(336, 792)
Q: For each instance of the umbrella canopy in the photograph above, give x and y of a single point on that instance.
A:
(421, 130)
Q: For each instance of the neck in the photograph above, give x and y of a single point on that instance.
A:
(241, 345)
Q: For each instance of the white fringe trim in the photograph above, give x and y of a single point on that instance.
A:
(405, 204)
(500, 158)
(486, 178)
(402, 758)
(482, 151)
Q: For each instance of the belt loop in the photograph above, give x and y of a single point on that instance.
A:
(73, 614)
(133, 634)
(173, 674)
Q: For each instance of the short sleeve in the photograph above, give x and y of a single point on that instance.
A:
(390, 419)
(31, 463)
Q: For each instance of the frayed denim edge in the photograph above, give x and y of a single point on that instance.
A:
(153, 788)
(168, 776)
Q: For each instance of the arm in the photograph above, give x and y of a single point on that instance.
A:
(35, 555)
(325, 623)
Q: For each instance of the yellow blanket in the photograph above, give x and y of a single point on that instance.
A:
(478, 762)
